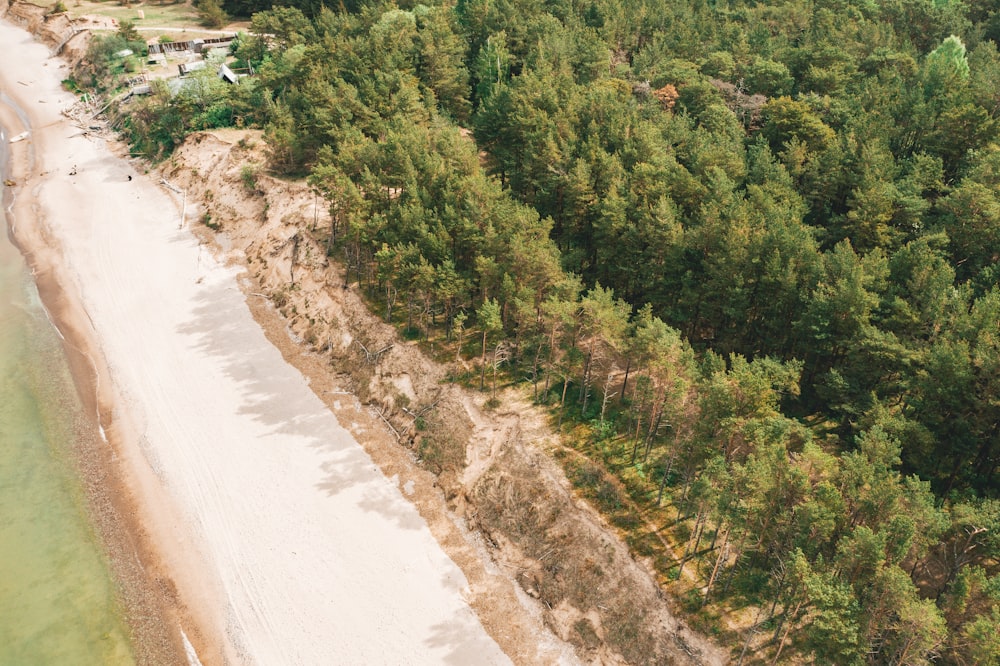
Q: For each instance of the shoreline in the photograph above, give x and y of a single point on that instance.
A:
(148, 604)
(217, 624)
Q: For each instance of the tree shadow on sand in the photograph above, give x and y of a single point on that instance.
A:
(274, 394)
(463, 642)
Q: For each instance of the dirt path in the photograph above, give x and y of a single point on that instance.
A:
(194, 29)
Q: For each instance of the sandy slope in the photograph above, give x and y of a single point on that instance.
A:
(289, 543)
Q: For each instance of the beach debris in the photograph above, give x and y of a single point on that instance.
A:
(20, 137)
(9, 183)
(170, 186)
(73, 171)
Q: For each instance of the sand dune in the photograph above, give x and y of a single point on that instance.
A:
(286, 542)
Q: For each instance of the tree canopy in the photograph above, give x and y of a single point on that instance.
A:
(757, 241)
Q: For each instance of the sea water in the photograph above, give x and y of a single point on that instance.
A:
(57, 597)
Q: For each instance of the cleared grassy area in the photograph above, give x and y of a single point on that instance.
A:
(175, 14)
(179, 20)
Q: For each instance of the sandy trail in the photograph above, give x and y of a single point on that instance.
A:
(286, 542)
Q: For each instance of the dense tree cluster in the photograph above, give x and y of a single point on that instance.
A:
(756, 243)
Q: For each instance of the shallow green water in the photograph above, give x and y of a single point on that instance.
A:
(57, 603)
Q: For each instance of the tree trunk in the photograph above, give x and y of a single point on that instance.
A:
(654, 428)
(628, 366)
(390, 298)
(585, 388)
(701, 533)
(750, 634)
(635, 440)
(723, 552)
(333, 235)
(562, 403)
(784, 611)
(534, 373)
(696, 534)
(552, 355)
(638, 410)
(606, 396)
(788, 621)
(482, 373)
(666, 475)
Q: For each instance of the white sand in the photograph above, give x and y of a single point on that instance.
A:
(282, 535)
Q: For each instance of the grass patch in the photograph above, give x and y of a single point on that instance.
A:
(174, 15)
(586, 634)
(212, 224)
(180, 19)
(440, 453)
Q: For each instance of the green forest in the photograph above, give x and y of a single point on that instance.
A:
(750, 248)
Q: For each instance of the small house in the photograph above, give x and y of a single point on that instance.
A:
(227, 74)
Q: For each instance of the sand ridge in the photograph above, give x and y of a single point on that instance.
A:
(284, 540)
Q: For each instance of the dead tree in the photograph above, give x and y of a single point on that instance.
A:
(372, 358)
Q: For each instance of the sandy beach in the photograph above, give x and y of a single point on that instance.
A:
(285, 542)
